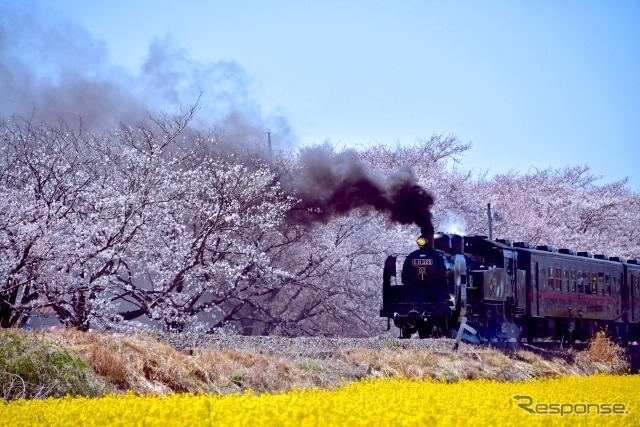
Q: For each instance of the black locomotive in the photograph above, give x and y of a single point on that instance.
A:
(509, 291)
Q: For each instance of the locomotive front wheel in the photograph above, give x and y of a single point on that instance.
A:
(405, 333)
(436, 332)
(424, 331)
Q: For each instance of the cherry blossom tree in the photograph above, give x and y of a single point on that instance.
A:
(563, 208)
(141, 222)
(157, 223)
(43, 173)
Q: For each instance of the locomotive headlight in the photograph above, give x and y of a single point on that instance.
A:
(421, 241)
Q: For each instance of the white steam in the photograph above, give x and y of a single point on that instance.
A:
(453, 224)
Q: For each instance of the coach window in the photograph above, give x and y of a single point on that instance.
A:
(550, 278)
(607, 284)
(580, 282)
(573, 281)
(565, 280)
(601, 283)
(543, 277)
(594, 283)
(587, 282)
(558, 286)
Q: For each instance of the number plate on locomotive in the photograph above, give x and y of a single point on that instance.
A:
(420, 262)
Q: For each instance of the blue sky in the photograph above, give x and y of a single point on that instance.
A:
(529, 84)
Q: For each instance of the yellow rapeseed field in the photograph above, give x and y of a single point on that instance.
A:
(598, 400)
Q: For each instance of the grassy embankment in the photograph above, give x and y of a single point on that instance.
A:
(68, 362)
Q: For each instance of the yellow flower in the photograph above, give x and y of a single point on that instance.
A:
(597, 400)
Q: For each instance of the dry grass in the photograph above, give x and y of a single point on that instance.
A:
(231, 370)
(484, 363)
(144, 364)
(603, 355)
(137, 362)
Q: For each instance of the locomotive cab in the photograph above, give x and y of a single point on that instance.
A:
(496, 292)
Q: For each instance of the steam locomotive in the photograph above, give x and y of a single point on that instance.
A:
(510, 291)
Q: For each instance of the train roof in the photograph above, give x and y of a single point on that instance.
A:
(483, 241)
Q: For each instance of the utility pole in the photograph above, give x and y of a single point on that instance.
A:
(490, 221)
(269, 139)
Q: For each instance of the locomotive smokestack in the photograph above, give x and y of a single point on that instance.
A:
(331, 184)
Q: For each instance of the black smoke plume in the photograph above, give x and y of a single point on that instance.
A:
(331, 184)
(51, 67)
